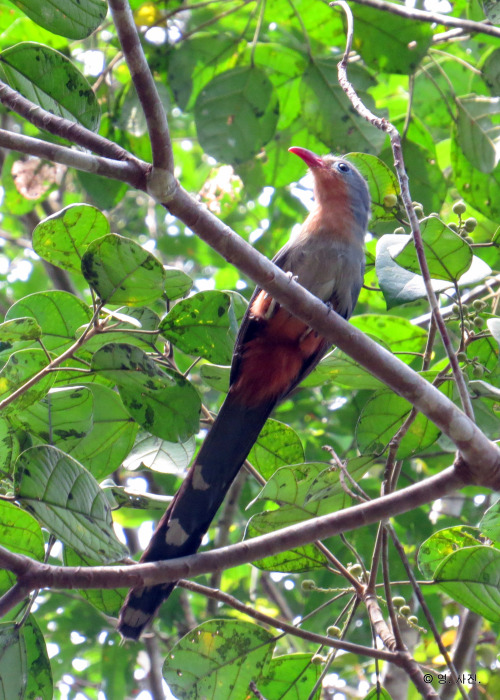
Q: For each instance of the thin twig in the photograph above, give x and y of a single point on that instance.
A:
(288, 628)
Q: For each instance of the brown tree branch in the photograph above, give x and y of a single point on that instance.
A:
(132, 172)
(156, 119)
(72, 131)
(32, 574)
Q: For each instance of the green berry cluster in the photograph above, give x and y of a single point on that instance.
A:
(472, 321)
(464, 227)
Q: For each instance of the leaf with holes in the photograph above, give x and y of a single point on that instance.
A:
(67, 500)
(448, 255)
(218, 654)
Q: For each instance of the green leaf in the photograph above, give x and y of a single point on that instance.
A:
(471, 576)
(19, 368)
(61, 418)
(443, 543)
(490, 522)
(203, 325)
(397, 333)
(478, 189)
(448, 255)
(67, 500)
(339, 369)
(13, 662)
(378, 693)
(105, 446)
(49, 79)
(70, 18)
(102, 192)
(106, 600)
(177, 283)
(328, 112)
(122, 272)
(59, 315)
(21, 533)
(236, 114)
(162, 401)
(160, 455)
(63, 237)
(216, 376)
(400, 286)
(381, 418)
(276, 446)
(219, 655)
(290, 677)
(477, 136)
(381, 182)
(306, 558)
(40, 683)
(19, 329)
(394, 45)
(9, 447)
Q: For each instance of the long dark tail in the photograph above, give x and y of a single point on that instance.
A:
(188, 517)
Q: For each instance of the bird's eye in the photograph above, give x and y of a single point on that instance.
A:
(343, 167)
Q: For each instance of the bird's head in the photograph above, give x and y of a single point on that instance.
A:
(337, 182)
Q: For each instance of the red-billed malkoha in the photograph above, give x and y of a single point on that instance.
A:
(274, 351)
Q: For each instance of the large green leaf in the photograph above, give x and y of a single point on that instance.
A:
(401, 286)
(219, 656)
(67, 500)
(204, 325)
(236, 114)
(59, 315)
(19, 368)
(13, 662)
(162, 401)
(381, 418)
(122, 272)
(71, 18)
(477, 135)
(306, 558)
(442, 543)
(63, 237)
(160, 455)
(21, 533)
(329, 114)
(62, 418)
(471, 576)
(448, 255)
(19, 329)
(49, 79)
(278, 444)
(394, 45)
(291, 677)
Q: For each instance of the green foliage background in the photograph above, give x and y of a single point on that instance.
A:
(241, 81)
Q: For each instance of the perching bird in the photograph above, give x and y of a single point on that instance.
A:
(274, 351)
